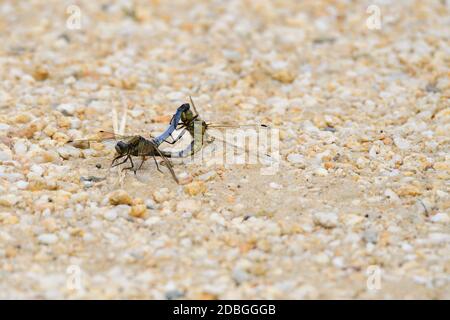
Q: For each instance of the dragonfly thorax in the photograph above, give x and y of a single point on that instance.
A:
(187, 117)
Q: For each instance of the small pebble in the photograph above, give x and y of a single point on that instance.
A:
(207, 176)
(152, 221)
(39, 170)
(321, 172)
(194, 188)
(48, 238)
(391, 195)
(440, 217)
(295, 158)
(162, 195)
(68, 109)
(22, 184)
(110, 215)
(275, 186)
(401, 143)
(240, 276)
(20, 148)
(67, 152)
(5, 155)
(118, 197)
(138, 211)
(326, 219)
(370, 235)
(9, 200)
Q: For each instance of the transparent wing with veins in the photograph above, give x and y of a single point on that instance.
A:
(101, 137)
(106, 135)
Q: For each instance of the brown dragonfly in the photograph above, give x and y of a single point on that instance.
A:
(128, 147)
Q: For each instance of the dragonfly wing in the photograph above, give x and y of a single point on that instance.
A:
(236, 126)
(101, 137)
(257, 154)
(105, 136)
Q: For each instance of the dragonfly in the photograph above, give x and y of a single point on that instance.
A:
(189, 120)
(138, 146)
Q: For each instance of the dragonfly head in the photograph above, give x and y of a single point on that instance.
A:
(121, 147)
(184, 107)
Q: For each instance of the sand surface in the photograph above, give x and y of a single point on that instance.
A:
(357, 208)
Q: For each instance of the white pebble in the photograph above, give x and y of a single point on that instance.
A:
(152, 221)
(37, 169)
(338, 262)
(70, 80)
(67, 152)
(275, 185)
(186, 242)
(5, 155)
(207, 176)
(440, 217)
(407, 247)
(104, 70)
(11, 176)
(326, 219)
(295, 158)
(20, 148)
(75, 123)
(321, 172)
(438, 238)
(48, 238)
(67, 109)
(322, 258)
(110, 215)
(279, 65)
(231, 55)
(391, 195)
(240, 275)
(217, 218)
(9, 200)
(441, 194)
(21, 184)
(373, 152)
(401, 143)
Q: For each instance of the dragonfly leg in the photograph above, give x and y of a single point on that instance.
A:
(115, 159)
(118, 164)
(132, 164)
(173, 140)
(156, 162)
(140, 166)
(177, 138)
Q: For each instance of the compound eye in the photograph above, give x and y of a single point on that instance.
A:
(120, 147)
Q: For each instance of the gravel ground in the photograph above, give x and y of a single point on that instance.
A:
(359, 207)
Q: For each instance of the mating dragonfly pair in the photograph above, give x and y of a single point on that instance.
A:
(138, 146)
